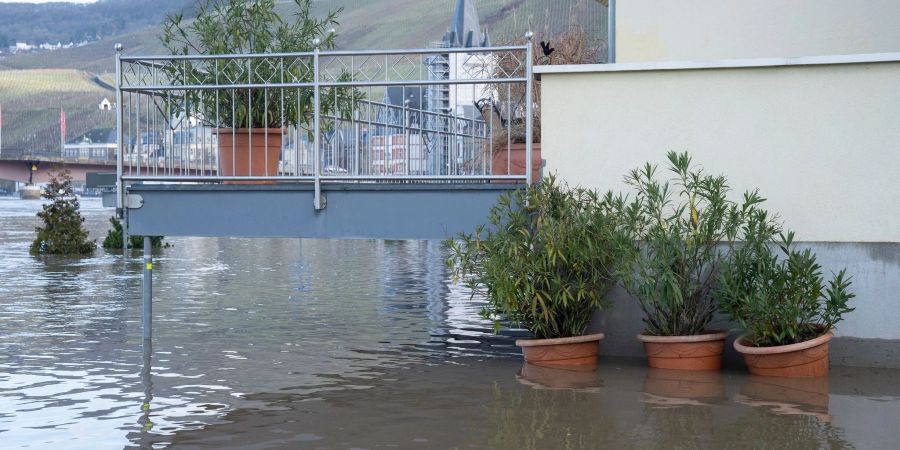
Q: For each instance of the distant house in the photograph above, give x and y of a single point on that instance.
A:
(105, 105)
(22, 47)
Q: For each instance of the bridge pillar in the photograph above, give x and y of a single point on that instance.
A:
(147, 318)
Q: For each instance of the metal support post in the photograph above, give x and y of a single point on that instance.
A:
(147, 318)
(317, 165)
(120, 141)
(529, 80)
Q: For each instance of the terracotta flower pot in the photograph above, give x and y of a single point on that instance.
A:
(803, 359)
(512, 162)
(570, 351)
(249, 152)
(698, 352)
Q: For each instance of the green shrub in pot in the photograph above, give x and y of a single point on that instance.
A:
(777, 293)
(678, 230)
(546, 261)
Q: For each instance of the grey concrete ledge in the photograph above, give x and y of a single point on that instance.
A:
(651, 66)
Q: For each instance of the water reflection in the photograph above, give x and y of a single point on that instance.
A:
(683, 387)
(583, 378)
(147, 381)
(787, 396)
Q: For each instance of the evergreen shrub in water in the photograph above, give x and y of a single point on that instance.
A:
(63, 232)
(114, 236)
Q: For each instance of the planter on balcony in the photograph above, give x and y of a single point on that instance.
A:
(249, 152)
(511, 161)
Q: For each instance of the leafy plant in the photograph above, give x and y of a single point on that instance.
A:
(255, 27)
(779, 300)
(114, 236)
(63, 232)
(545, 263)
(678, 232)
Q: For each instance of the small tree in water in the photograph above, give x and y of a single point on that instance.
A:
(63, 232)
(115, 234)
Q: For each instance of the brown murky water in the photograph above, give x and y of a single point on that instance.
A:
(350, 344)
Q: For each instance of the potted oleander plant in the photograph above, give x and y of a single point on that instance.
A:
(545, 263)
(251, 122)
(679, 229)
(779, 295)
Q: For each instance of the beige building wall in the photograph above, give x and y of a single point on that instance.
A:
(656, 30)
(822, 142)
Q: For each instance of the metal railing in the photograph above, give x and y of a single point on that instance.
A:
(381, 116)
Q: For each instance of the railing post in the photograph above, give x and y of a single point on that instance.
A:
(317, 165)
(529, 139)
(120, 140)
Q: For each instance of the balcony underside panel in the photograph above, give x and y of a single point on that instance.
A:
(399, 211)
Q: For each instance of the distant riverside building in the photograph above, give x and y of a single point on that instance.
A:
(99, 143)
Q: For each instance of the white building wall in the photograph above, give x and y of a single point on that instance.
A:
(654, 30)
(822, 143)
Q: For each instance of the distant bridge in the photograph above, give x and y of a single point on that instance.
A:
(28, 166)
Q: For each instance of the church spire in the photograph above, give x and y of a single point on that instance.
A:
(466, 29)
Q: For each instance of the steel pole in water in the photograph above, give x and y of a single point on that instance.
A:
(147, 319)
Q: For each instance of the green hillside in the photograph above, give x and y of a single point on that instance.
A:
(364, 24)
(31, 100)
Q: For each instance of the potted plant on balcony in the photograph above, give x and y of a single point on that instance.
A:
(250, 121)
(678, 233)
(545, 263)
(505, 109)
(780, 297)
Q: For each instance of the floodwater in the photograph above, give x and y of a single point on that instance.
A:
(289, 343)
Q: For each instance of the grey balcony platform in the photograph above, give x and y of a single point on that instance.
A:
(353, 210)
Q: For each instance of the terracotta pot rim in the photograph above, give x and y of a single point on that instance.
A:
(751, 350)
(710, 335)
(270, 130)
(557, 341)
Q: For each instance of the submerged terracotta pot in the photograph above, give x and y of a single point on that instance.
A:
(803, 359)
(570, 351)
(249, 152)
(698, 352)
(512, 162)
